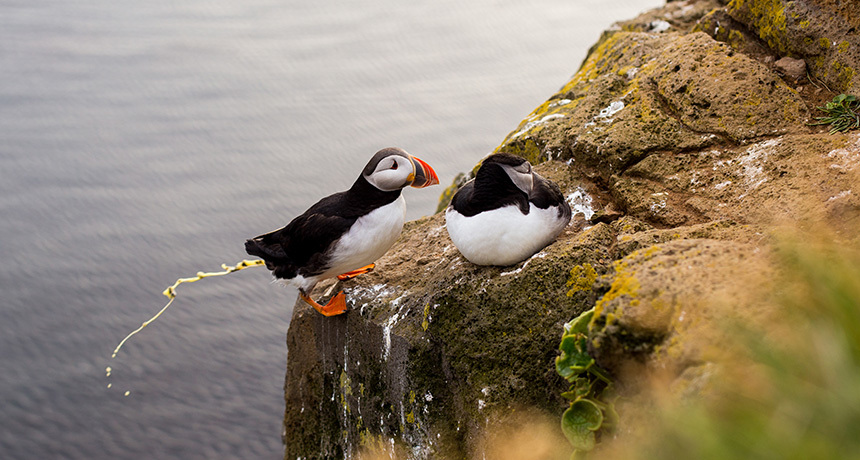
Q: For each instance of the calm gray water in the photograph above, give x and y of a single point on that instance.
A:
(144, 141)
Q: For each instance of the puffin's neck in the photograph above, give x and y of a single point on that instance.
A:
(362, 195)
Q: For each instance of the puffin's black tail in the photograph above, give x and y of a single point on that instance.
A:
(273, 254)
(270, 252)
(253, 247)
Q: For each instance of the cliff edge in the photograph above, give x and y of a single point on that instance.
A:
(683, 143)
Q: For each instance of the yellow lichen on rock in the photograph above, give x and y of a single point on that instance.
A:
(582, 278)
(768, 17)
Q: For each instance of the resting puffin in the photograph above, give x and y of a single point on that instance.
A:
(506, 213)
(344, 233)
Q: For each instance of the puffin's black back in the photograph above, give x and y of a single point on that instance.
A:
(492, 188)
(300, 247)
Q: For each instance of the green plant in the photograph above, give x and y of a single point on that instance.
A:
(592, 408)
(840, 114)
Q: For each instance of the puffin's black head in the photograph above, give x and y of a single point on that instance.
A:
(393, 169)
(506, 168)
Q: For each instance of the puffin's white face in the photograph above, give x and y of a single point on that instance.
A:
(522, 176)
(392, 172)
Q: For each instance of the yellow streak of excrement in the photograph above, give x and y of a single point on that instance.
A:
(170, 292)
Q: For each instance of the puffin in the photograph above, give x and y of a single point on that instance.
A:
(506, 213)
(344, 233)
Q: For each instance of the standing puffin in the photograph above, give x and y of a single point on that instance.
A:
(343, 234)
(506, 213)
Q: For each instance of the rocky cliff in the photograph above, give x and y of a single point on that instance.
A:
(683, 142)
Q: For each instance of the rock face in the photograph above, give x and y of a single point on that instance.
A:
(682, 145)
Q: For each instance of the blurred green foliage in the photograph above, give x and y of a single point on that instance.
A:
(810, 405)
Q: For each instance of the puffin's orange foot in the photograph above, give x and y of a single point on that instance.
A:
(354, 273)
(334, 307)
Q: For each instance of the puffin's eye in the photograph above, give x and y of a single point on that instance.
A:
(394, 165)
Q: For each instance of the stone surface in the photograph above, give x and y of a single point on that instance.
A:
(683, 148)
(791, 69)
(822, 32)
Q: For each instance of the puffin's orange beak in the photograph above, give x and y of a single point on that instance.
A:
(424, 174)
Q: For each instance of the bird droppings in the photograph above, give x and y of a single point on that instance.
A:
(581, 202)
(531, 124)
(538, 255)
(752, 163)
(388, 325)
(840, 195)
(846, 158)
(170, 293)
(658, 26)
(605, 115)
(657, 206)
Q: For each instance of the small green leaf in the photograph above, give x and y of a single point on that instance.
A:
(579, 423)
(579, 325)
(574, 358)
(610, 417)
(568, 345)
(570, 395)
(581, 388)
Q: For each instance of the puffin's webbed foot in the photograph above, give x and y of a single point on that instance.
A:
(334, 307)
(354, 273)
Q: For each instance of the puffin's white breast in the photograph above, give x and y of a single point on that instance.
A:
(368, 238)
(503, 236)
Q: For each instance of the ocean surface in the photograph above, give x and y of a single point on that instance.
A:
(141, 142)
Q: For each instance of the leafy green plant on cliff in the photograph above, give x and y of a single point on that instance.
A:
(591, 410)
(841, 114)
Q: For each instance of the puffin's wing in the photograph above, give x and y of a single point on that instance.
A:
(307, 235)
(461, 199)
(546, 193)
(304, 241)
